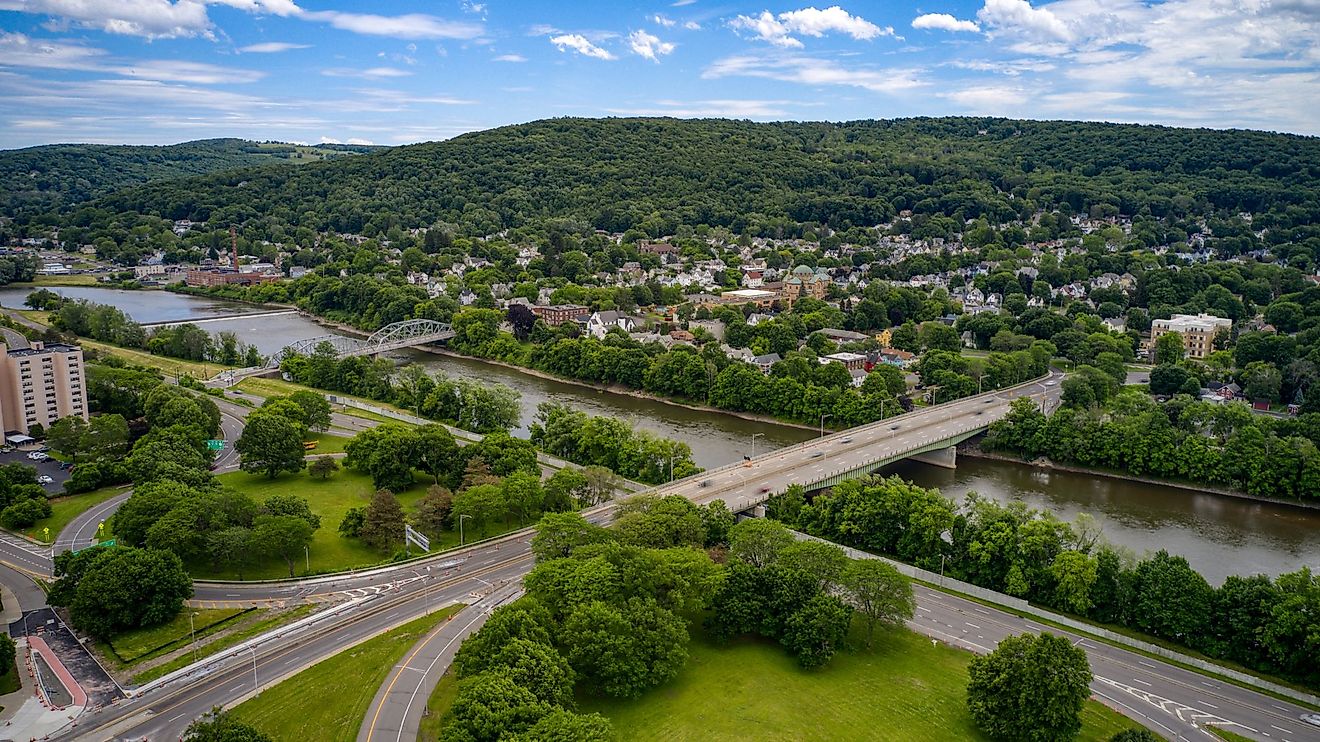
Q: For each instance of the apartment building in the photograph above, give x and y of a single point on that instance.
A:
(557, 314)
(41, 384)
(1197, 330)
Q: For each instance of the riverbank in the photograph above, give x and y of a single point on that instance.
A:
(972, 449)
(607, 388)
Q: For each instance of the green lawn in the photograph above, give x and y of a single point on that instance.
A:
(327, 443)
(135, 646)
(1225, 734)
(436, 707)
(265, 387)
(258, 622)
(329, 700)
(171, 366)
(903, 689)
(64, 509)
(329, 499)
(9, 682)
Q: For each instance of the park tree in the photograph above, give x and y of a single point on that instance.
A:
(434, 509)
(491, 706)
(106, 437)
(660, 522)
(483, 505)
(298, 507)
(218, 726)
(822, 560)
(271, 444)
(622, 651)
(563, 490)
(1031, 687)
(437, 452)
(558, 534)
(879, 592)
(232, 548)
(322, 467)
(522, 495)
(717, 519)
(537, 667)
(813, 632)
(315, 409)
(758, 542)
(523, 619)
(1135, 735)
(7, 653)
(148, 504)
(382, 524)
(350, 526)
(562, 726)
(126, 588)
(1073, 575)
(386, 453)
(1171, 600)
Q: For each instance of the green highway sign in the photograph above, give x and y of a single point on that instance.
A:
(215, 445)
(111, 542)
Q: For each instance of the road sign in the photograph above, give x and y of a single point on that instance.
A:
(110, 542)
(420, 539)
(215, 445)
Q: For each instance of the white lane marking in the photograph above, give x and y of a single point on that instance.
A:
(1281, 729)
(969, 623)
(1139, 680)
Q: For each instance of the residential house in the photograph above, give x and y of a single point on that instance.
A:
(600, 323)
(765, 362)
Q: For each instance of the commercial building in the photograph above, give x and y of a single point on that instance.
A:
(1197, 331)
(222, 277)
(558, 314)
(41, 384)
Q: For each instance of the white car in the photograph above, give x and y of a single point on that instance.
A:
(38, 456)
(43, 479)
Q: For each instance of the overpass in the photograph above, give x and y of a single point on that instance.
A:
(395, 336)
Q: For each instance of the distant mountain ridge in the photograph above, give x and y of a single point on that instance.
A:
(656, 173)
(60, 175)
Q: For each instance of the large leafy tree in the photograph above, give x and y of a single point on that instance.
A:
(218, 726)
(490, 706)
(879, 592)
(387, 453)
(283, 536)
(271, 444)
(382, 524)
(1031, 687)
(814, 631)
(125, 588)
(624, 650)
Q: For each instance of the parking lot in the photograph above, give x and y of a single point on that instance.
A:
(49, 467)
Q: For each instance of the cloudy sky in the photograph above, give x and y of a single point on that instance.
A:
(394, 72)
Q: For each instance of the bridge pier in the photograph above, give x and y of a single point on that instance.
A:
(945, 457)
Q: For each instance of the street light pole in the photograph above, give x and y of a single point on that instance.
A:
(461, 539)
(307, 554)
(256, 688)
(671, 468)
(193, 628)
(823, 418)
(754, 436)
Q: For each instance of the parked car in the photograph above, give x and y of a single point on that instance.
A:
(44, 479)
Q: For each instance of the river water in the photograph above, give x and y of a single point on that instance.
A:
(1218, 535)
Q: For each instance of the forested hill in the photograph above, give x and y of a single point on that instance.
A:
(657, 173)
(39, 178)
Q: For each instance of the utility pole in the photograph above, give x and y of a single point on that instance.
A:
(461, 540)
(754, 436)
(193, 628)
(824, 417)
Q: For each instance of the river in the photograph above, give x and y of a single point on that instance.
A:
(1218, 535)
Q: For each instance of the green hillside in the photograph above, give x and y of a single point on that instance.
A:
(654, 174)
(38, 178)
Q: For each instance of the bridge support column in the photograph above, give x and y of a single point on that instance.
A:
(757, 511)
(945, 457)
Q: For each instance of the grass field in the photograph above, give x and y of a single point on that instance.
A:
(9, 682)
(254, 623)
(329, 700)
(1227, 735)
(264, 387)
(64, 509)
(135, 646)
(171, 366)
(329, 499)
(436, 706)
(327, 443)
(902, 689)
(73, 279)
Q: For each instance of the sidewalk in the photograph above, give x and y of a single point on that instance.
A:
(25, 716)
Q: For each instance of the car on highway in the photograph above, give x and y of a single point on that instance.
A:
(704, 483)
(38, 456)
(895, 427)
(817, 455)
(1310, 719)
(846, 440)
(1051, 382)
(43, 479)
(764, 489)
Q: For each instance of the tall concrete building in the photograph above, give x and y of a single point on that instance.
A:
(1197, 330)
(41, 384)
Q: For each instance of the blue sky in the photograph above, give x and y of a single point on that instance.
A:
(161, 71)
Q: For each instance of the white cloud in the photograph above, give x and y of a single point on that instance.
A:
(779, 30)
(271, 47)
(1019, 17)
(988, 99)
(719, 108)
(944, 22)
(373, 73)
(646, 45)
(681, 3)
(173, 70)
(663, 21)
(161, 19)
(1010, 67)
(692, 25)
(510, 58)
(580, 44)
(410, 26)
(815, 71)
(18, 50)
(185, 18)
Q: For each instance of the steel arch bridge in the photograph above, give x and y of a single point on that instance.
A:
(390, 337)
